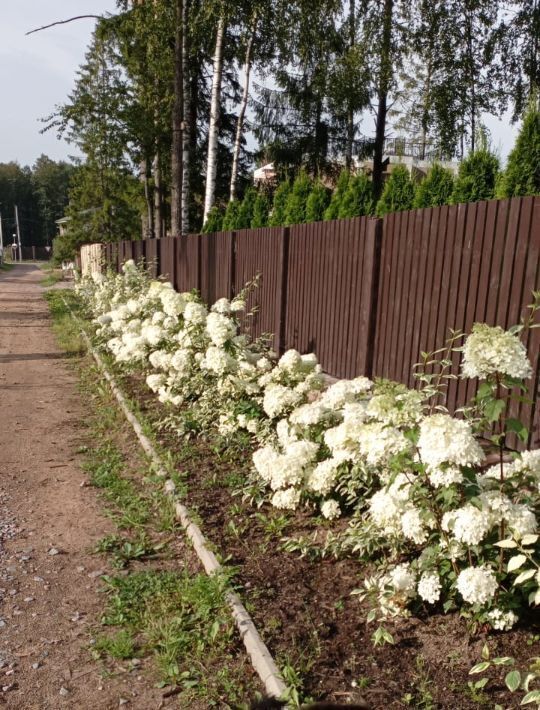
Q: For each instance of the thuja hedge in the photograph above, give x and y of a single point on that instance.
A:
(305, 199)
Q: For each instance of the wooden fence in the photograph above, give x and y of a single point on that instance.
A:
(368, 295)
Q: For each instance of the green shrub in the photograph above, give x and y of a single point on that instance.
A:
(281, 195)
(436, 189)
(398, 192)
(358, 198)
(261, 210)
(317, 202)
(214, 221)
(295, 208)
(230, 218)
(522, 174)
(477, 177)
(332, 211)
(245, 211)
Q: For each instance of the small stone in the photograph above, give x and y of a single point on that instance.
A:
(123, 701)
(96, 574)
(80, 568)
(64, 691)
(2, 623)
(29, 599)
(38, 579)
(35, 666)
(53, 551)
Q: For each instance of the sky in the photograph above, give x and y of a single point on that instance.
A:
(37, 72)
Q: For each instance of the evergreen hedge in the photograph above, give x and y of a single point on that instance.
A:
(398, 192)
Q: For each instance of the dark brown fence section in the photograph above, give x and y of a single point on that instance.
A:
(330, 292)
(450, 267)
(368, 295)
(261, 253)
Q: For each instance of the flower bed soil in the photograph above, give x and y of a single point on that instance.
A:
(304, 610)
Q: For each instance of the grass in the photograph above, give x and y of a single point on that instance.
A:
(66, 330)
(178, 619)
(6, 266)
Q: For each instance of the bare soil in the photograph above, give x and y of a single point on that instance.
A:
(50, 599)
(306, 614)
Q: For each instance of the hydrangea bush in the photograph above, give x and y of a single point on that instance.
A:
(442, 499)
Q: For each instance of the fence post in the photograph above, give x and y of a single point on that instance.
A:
(375, 237)
(282, 293)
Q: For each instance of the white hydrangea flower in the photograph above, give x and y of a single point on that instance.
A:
(154, 382)
(222, 305)
(429, 587)
(308, 414)
(278, 398)
(265, 460)
(324, 476)
(195, 313)
(402, 579)
(287, 499)
(412, 526)
(152, 334)
(218, 361)
(330, 509)
(401, 409)
(443, 477)
(477, 585)
(490, 349)
(468, 524)
(220, 328)
(344, 391)
(502, 620)
(378, 443)
(181, 360)
(290, 361)
(446, 440)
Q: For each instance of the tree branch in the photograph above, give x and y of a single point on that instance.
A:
(64, 22)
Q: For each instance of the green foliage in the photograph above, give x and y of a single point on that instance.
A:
(436, 189)
(261, 210)
(317, 202)
(281, 195)
(230, 218)
(245, 211)
(295, 208)
(358, 198)
(214, 221)
(522, 174)
(398, 192)
(477, 177)
(332, 211)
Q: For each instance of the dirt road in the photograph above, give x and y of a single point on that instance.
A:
(49, 578)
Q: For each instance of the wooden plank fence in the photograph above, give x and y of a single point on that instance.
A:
(368, 295)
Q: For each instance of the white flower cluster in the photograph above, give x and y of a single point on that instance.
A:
(490, 350)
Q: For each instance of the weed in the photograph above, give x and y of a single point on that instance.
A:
(124, 550)
(120, 646)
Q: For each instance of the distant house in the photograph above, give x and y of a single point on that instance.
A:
(265, 174)
(62, 225)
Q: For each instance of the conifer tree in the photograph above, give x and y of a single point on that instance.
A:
(522, 174)
(332, 211)
(295, 209)
(398, 192)
(261, 209)
(436, 188)
(358, 198)
(477, 176)
(317, 202)
(245, 211)
(281, 195)
(230, 218)
(214, 221)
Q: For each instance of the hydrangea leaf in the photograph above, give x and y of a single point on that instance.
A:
(516, 562)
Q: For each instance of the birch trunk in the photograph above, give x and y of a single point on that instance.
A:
(186, 138)
(213, 128)
(243, 105)
(177, 120)
(383, 88)
(350, 107)
(148, 219)
(158, 195)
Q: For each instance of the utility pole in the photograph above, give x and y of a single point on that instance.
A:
(18, 231)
